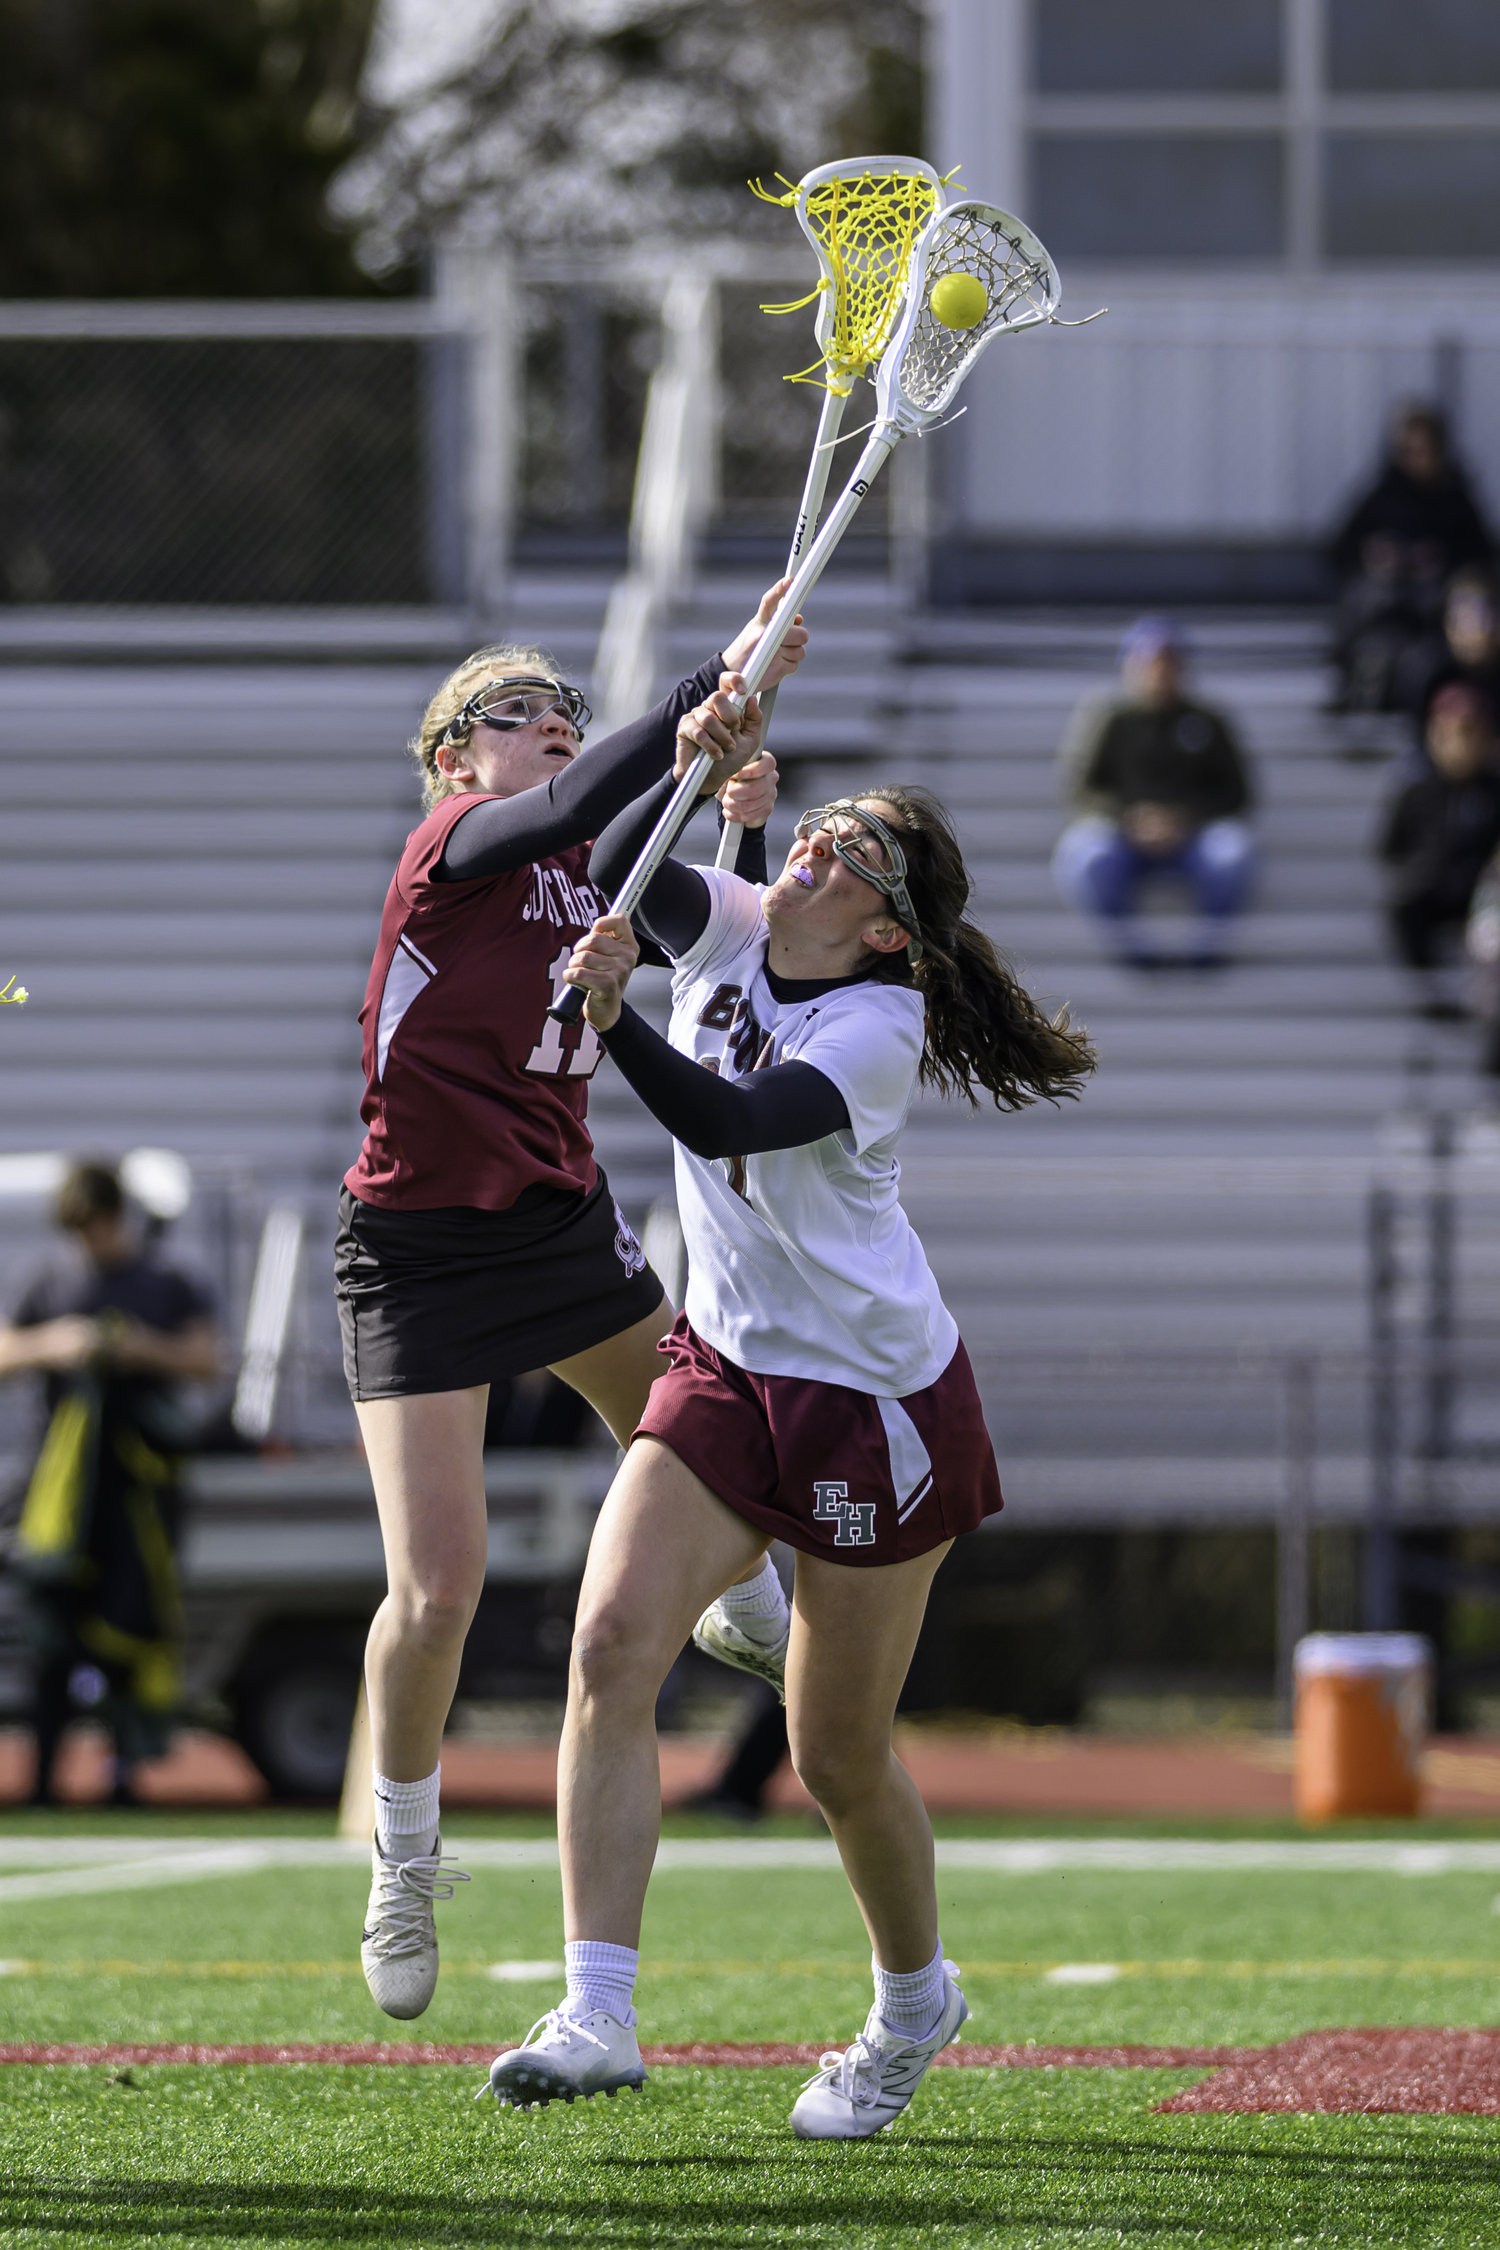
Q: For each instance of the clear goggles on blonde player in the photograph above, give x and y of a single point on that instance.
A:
(508, 704)
(856, 835)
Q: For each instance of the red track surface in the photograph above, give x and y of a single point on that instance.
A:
(1443, 2072)
(750, 2057)
(363, 2051)
(1040, 1771)
(743, 2055)
(1447, 2072)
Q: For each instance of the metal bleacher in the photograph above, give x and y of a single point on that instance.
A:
(194, 856)
(1164, 1286)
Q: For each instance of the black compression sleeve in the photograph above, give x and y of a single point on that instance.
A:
(783, 1107)
(674, 910)
(750, 859)
(504, 833)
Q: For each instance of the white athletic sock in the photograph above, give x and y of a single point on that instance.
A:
(406, 1816)
(913, 2001)
(601, 1976)
(758, 1606)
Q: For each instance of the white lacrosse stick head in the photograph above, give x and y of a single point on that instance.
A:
(863, 217)
(928, 356)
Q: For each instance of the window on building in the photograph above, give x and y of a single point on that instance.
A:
(1139, 197)
(1410, 46)
(1413, 195)
(1204, 130)
(1158, 46)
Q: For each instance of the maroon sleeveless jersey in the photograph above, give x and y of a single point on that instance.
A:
(472, 1093)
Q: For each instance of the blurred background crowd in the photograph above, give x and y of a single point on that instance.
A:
(337, 336)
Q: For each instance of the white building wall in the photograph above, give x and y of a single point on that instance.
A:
(1197, 412)
(1220, 404)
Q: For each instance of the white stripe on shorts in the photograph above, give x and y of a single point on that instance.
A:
(911, 1464)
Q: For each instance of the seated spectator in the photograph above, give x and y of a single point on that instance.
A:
(1439, 832)
(1395, 553)
(1158, 786)
(1482, 943)
(1483, 948)
(1467, 648)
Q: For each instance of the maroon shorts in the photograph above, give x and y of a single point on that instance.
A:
(828, 1469)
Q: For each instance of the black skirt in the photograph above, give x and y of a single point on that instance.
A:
(445, 1300)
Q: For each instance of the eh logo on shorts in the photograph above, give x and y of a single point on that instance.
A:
(855, 1518)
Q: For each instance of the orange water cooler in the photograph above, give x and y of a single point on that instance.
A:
(1363, 1711)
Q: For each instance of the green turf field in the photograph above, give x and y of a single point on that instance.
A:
(315, 2155)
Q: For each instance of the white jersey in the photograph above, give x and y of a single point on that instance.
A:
(801, 1261)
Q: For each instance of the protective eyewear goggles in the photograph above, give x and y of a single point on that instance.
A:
(508, 704)
(853, 830)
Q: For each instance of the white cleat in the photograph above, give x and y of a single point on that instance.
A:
(718, 1635)
(865, 2089)
(400, 1949)
(574, 2058)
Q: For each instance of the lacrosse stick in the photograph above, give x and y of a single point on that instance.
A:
(862, 217)
(992, 257)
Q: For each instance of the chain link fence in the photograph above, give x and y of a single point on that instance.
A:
(201, 462)
(236, 470)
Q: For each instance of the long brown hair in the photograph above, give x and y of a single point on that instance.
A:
(983, 1028)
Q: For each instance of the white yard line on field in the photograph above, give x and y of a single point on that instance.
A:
(129, 1867)
(137, 1873)
(1163, 1855)
(62, 1869)
(1118, 1855)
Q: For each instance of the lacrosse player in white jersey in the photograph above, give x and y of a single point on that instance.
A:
(816, 1391)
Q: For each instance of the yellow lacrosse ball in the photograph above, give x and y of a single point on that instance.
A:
(959, 300)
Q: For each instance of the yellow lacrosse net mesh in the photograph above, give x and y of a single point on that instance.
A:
(862, 225)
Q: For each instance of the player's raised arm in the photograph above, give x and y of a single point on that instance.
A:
(783, 1106)
(786, 1105)
(543, 792)
(674, 910)
(791, 651)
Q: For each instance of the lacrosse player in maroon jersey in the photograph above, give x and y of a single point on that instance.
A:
(477, 1236)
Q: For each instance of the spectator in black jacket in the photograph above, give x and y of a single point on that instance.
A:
(1467, 648)
(1158, 786)
(1395, 553)
(1482, 944)
(1439, 833)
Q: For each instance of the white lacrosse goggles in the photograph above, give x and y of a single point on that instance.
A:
(506, 705)
(849, 827)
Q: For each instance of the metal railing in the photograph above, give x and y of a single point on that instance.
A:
(675, 484)
(1393, 1448)
(1298, 1444)
(1434, 1329)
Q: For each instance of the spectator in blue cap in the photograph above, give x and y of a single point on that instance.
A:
(1157, 785)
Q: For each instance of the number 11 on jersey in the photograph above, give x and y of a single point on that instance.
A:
(548, 1057)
